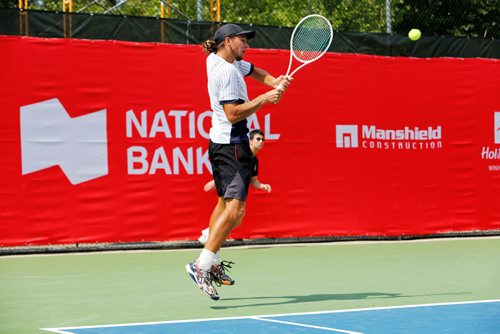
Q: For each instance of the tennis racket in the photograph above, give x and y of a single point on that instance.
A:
(311, 38)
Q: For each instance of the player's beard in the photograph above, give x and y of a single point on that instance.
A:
(238, 57)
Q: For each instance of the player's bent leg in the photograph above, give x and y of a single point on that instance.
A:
(217, 211)
(236, 209)
(228, 219)
(233, 214)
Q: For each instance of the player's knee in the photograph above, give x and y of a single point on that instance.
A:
(238, 222)
(240, 213)
(237, 214)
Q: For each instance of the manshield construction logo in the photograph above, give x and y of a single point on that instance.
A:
(375, 138)
(50, 137)
(347, 136)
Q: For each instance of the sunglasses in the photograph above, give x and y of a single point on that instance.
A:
(259, 139)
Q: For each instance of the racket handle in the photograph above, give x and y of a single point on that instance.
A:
(280, 86)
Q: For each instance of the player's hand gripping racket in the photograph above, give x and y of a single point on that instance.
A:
(311, 38)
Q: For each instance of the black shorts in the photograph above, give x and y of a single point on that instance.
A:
(232, 166)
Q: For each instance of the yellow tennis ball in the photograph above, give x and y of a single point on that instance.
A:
(414, 34)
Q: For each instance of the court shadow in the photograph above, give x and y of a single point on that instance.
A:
(266, 301)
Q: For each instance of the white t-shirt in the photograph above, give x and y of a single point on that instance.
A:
(226, 85)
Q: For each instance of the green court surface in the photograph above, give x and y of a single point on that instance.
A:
(150, 286)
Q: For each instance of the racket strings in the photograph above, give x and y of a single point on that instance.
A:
(311, 39)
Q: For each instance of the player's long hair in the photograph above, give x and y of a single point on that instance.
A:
(209, 46)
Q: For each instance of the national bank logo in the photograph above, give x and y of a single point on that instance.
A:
(50, 137)
(373, 137)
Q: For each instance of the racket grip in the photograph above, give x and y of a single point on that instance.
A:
(280, 86)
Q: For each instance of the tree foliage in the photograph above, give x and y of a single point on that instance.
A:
(442, 17)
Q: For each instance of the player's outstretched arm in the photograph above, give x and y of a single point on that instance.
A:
(238, 112)
(267, 79)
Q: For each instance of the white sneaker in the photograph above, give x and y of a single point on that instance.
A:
(202, 278)
(204, 236)
(220, 277)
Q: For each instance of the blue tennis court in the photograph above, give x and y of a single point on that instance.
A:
(466, 317)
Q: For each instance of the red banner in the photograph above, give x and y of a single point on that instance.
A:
(106, 141)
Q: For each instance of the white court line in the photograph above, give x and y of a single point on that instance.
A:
(64, 330)
(308, 326)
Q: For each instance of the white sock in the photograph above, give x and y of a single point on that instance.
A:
(206, 259)
(217, 258)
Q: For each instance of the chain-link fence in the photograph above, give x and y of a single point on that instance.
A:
(473, 18)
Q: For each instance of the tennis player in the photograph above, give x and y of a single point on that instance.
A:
(229, 151)
(257, 139)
